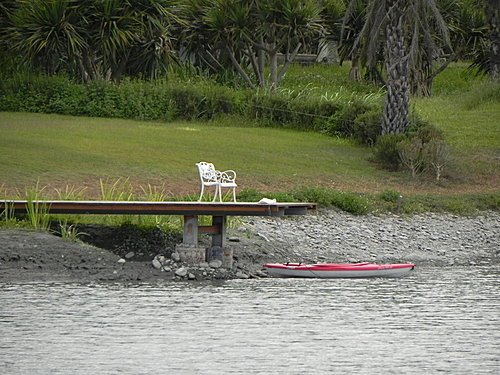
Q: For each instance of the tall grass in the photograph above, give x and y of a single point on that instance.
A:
(37, 212)
(7, 217)
(70, 232)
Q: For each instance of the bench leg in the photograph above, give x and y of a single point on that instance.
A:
(220, 194)
(217, 191)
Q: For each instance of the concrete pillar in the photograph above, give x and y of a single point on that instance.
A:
(220, 223)
(218, 251)
(191, 254)
(190, 233)
(224, 254)
(189, 251)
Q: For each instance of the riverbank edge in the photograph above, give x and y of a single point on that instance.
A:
(328, 236)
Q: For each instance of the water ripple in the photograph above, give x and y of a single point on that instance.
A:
(433, 321)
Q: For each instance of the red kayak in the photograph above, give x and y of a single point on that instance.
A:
(335, 270)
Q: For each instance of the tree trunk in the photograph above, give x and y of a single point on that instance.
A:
(397, 100)
(273, 69)
(354, 72)
(261, 60)
(238, 67)
(289, 59)
(492, 10)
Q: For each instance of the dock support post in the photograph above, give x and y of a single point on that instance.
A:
(220, 223)
(189, 251)
(190, 233)
(218, 251)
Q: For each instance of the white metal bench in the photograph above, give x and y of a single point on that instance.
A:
(209, 176)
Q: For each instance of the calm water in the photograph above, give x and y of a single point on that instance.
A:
(433, 321)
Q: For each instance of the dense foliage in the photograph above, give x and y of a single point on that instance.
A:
(109, 39)
(177, 99)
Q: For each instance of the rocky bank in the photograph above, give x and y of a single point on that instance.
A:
(328, 236)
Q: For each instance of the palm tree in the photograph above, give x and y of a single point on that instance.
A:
(6, 9)
(93, 39)
(249, 34)
(492, 11)
(47, 33)
(405, 35)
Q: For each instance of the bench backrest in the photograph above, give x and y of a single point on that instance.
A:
(207, 172)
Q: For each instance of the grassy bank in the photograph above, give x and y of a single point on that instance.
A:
(73, 157)
(69, 155)
(79, 151)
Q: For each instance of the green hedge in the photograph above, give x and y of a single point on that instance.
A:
(172, 99)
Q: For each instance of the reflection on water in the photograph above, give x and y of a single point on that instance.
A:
(432, 321)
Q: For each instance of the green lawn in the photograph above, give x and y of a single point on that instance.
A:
(63, 150)
(470, 120)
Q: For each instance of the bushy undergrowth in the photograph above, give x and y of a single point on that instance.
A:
(194, 98)
(386, 201)
(422, 149)
(346, 201)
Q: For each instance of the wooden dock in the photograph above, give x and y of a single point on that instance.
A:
(189, 210)
(160, 208)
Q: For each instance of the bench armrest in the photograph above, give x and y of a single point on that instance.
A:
(226, 176)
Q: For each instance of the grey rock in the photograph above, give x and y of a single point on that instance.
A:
(241, 275)
(175, 257)
(129, 255)
(121, 260)
(181, 272)
(156, 263)
(215, 263)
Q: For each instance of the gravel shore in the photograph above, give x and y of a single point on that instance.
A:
(328, 236)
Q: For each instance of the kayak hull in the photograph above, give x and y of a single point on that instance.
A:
(335, 270)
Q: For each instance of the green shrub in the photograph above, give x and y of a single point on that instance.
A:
(103, 100)
(410, 153)
(346, 201)
(390, 196)
(352, 202)
(367, 126)
(386, 150)
(425, 150)
(193, 98)
(341, 123)
(413, 207)
(428, 133)
(250, 195)
(436, 156)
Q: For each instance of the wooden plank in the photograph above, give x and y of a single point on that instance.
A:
(162, 208)
(208, 229)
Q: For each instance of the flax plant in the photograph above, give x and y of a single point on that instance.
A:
(37, 211)
(70, 193)
(118, 190)
(7, 217)
(157, 194)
